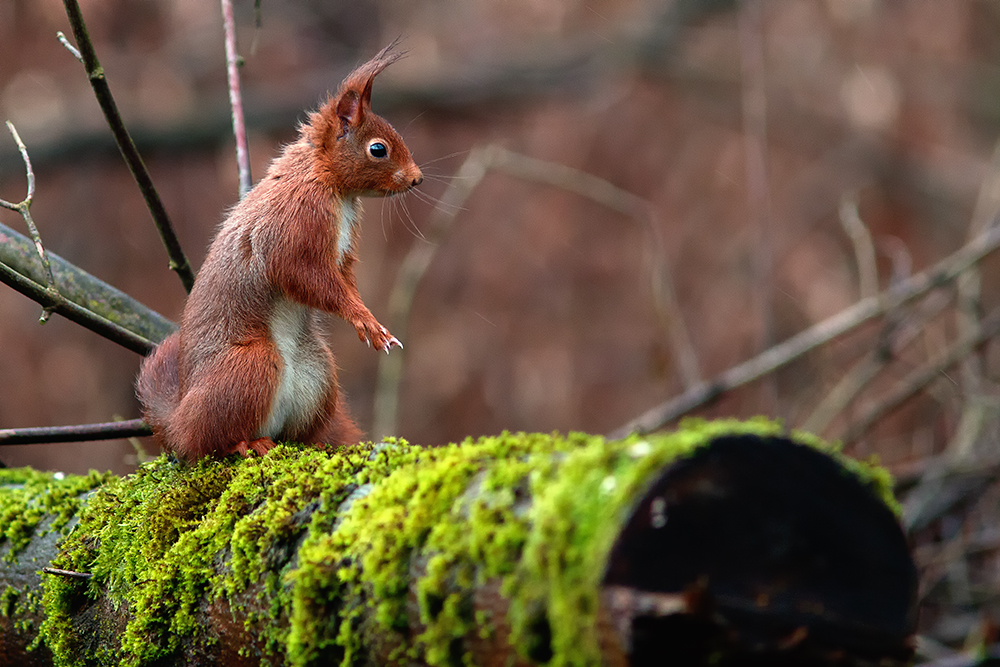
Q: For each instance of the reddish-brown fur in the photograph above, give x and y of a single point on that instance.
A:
(249, 364)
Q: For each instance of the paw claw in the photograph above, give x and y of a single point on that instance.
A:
(260, 447)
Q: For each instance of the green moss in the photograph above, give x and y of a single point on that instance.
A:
(28, 496)
(7, 600)
(153, 540)
(331, 544)
(538, 511)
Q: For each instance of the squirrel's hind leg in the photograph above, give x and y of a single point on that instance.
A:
(227, 401)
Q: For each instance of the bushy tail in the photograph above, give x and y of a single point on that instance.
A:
(158, 384)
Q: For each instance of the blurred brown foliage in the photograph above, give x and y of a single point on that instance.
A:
(537, 311)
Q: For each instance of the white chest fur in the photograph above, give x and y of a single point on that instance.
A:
(347, 211)
(303, 373)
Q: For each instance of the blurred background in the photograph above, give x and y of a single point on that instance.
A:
(706, 179)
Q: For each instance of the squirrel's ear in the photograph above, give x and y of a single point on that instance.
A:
(357, 87)
(353, 98)
(350, 111)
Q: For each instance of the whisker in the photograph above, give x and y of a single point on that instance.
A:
(435, 202)
(443, 178)
(443, 157)
(413, 224)
(412, 120)
(385, 235)
(444, 204)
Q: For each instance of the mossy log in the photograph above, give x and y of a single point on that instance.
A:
(725, 543)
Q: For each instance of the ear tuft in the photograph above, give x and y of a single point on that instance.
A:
(348, 107)
(360, 80)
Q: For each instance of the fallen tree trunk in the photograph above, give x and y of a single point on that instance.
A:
(725, 542)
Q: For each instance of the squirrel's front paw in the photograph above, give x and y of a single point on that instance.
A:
(377, 336)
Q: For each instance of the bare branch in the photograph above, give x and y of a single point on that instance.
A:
(989, 327)
(897, 337)
(80, 287)
(98, 81)
(233, 62)
(781, 354)
(601, 191)
(864, 249)
(69, 47)
(66, 573)
(81, 433)
(754, 106)
(55, 302)
(24, 208)
(27, 168)
(973, 377)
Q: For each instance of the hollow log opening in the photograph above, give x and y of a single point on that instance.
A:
(759, 550)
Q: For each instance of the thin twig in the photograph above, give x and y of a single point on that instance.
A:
(781, 354)
(27, 168)
(233, 63)
(974, 414)
(80, 433)
(67, 573)
(98, 81)
(896, 338)
(57, 303)
(601, 191)
(894, 334)
(69, 47)
(989, 327)
(24, 208)
(864, 249)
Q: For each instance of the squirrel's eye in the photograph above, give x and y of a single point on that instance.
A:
(378, 149)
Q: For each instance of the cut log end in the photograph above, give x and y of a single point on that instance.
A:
(759, 550)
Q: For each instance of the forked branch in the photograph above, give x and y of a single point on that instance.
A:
(54, 302)
(24, 208)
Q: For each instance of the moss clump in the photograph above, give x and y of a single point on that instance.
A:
(8, 599)
(30, 496)
(34, 504)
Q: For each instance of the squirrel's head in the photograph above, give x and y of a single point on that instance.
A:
(358, 151)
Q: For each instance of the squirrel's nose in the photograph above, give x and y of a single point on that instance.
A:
(417, 180)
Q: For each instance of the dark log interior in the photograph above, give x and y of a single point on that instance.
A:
(762, 551)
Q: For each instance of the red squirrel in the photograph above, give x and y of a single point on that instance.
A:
(249, 364)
